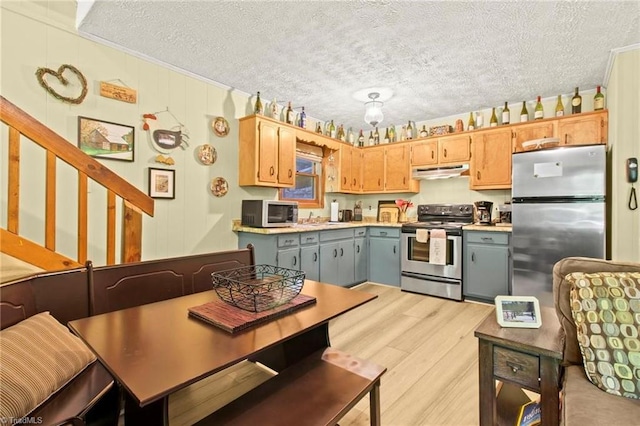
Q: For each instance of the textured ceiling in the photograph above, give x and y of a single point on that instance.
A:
(439, 58)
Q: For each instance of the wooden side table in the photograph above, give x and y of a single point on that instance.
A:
(528, 358)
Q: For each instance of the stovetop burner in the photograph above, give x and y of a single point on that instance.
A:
(441, 216)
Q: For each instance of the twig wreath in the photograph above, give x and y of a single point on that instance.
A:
(41, 72)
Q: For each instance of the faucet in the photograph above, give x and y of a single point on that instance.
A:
(310, 220)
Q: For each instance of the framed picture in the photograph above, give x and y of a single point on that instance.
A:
(162, 183)
(518, 311)
(103, 139)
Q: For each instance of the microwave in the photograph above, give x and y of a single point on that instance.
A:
(269, 213)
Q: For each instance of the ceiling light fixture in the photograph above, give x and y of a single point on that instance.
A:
(373, 110)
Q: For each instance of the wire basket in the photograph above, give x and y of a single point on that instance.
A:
(258, 288)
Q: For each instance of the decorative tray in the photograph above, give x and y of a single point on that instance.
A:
(258, 288)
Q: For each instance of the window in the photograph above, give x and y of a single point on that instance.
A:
(308, 191)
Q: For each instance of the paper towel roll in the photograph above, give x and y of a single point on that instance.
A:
(334, 212)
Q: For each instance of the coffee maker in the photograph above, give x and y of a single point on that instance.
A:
(483, 212)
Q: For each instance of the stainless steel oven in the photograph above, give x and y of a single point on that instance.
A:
(419, 273)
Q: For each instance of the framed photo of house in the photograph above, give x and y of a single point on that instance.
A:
(162, 183)
(518, 311)
(103, 139)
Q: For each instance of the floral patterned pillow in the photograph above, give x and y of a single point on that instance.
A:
(606, 310)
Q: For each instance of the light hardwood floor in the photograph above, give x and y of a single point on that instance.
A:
(428, 347)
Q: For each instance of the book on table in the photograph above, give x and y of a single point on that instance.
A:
(529, 414)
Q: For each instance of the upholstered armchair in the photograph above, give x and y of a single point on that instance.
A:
(598, 306)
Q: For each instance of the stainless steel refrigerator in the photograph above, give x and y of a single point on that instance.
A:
(558, 210)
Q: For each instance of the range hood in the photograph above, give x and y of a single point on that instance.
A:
(427, 173)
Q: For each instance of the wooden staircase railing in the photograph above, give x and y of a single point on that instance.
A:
(135, 202)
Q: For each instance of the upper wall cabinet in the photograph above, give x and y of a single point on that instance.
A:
(584, 129)
(490, 166)
(454, 149)
(268, 153)
(535, 130)
(424, 153)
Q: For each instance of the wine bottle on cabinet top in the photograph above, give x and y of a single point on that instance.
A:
(319, 128)
(479, 120)
(392, 133)
(376, 137)
(576, 103)
(332, 130)
(538, 114)
(371, 139)
(361, 138)
(506, 114)
(559, 107)
(472, 123)
(598, 100)
(274, 109)
(493, 122)
(387, 139)
(409, 131)
(303, 119)
(524, 114)
(290, 116)
(258, 106)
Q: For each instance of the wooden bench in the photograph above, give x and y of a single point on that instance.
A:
(318, 390)
(91, 397)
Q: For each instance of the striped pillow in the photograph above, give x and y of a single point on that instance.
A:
(37, 357)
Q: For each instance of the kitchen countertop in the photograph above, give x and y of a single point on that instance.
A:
(303, 227)
(489, 228)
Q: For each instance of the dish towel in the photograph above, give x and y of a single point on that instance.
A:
(422, 235)
(438, 247)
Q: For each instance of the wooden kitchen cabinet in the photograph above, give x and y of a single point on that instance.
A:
(536, 130)
(268, 153)
(490, 166)
(424, 153)
(350, 169)
(455, 149)
(397, 169)
(373, 169)
(584, 129)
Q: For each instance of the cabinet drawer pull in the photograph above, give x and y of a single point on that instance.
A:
(272, 171)
(487, 239)
(566, 138)
(341, 252)
(433, 155)
(514, 367)
(344, 180)
(358, 248)
(478, 174)
(378, 182)
(473, 257)
(309, 238)
(445, 152)
(290, 173)
(394, 249)
(295, 260)
(315, 257)
(354, 182)
(335, 252)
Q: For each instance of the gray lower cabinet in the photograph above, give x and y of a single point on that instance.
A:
(487, 264)
(310, 255)
(334, 256)
(361, 256)
(337, 260)
(384, 255)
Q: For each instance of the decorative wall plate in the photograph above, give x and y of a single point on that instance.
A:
(220, 126)
(207, 154)
(219, 186)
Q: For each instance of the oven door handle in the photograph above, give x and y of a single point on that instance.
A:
(430, 278)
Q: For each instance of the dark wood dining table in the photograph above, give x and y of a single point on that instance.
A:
(156, 349)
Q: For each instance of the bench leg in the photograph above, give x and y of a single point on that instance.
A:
(374, 404)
